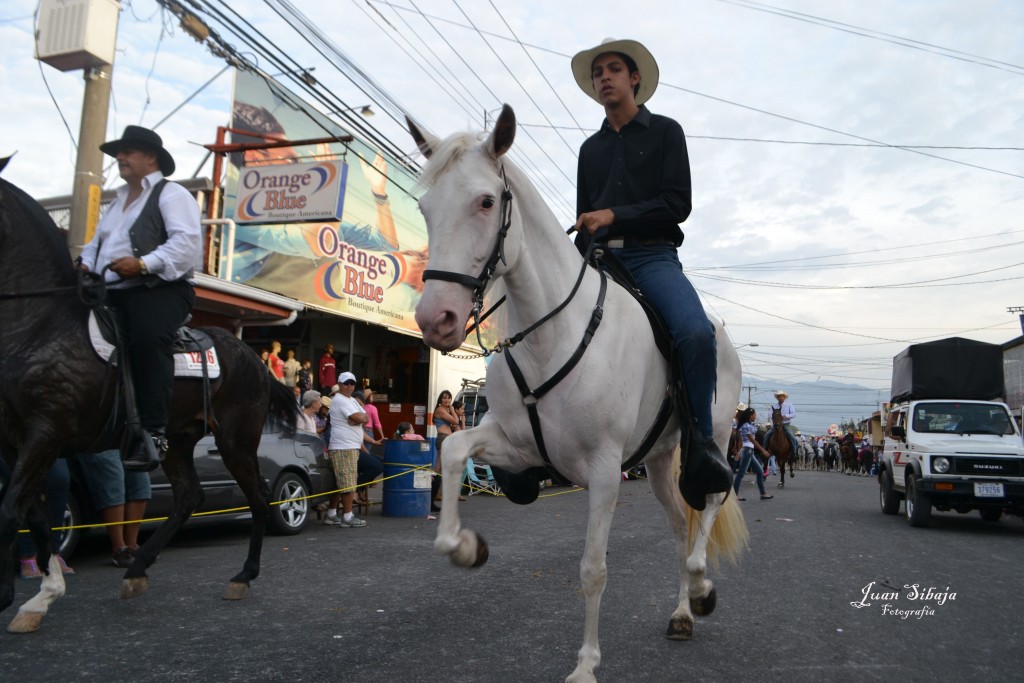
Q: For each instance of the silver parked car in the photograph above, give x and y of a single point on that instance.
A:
(288, 463)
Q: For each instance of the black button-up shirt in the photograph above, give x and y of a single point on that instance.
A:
(642, 173)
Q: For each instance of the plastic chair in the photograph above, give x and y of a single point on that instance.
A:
(481, 478)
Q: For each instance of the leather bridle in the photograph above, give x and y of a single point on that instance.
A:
(480, 282)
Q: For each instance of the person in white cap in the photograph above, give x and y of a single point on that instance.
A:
(633, 191)
(347, 420)
(788, 413)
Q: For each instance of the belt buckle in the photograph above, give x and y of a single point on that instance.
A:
(617, 243)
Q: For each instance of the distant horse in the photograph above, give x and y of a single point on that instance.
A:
(56, 396)
(848, 457)
(780, 447)
(485, 217)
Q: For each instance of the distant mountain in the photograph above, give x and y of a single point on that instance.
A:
(818, 404)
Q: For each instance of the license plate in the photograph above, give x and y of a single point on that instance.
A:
(988, 490)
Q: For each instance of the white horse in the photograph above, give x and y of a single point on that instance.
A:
(596, 416)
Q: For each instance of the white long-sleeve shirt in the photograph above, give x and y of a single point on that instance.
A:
(183, 249)
(788, 412)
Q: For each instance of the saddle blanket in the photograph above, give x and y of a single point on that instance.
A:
(187, 364)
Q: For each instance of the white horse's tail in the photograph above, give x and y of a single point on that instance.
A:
(729, 534)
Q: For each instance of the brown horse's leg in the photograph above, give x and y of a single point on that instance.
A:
(188, 496)
(238, 450)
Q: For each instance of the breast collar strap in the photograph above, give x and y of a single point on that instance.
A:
(532, 396)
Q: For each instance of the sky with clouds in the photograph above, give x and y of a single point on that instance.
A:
(858, 173)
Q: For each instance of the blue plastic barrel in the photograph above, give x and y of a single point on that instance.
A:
(407, 475)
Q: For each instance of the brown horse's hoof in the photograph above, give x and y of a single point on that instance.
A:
(26, 622)
(237, 591)
(133, 588)
(782, 484)
(704, 606)
(680, 628)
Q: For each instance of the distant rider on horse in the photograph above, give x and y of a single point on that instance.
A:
(788, 413)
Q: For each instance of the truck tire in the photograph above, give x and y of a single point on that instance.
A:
(990, 514)
(889, 499)
(918, 505)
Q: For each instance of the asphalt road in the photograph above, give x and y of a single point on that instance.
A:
(377, 605)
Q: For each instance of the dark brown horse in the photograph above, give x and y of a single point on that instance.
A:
(56, 396)
(779, 446)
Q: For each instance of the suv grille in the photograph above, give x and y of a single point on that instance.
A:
(992, 467)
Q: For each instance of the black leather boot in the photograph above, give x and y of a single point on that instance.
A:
(704, 472)
(148, 452)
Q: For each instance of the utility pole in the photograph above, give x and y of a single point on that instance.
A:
(88, 187)
(72, 36)
(749, 388)
(1019, 310)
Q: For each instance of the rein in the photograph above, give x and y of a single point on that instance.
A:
(90, 287)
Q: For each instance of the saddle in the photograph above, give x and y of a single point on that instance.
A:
(194, 356)
(191, 346)
(524, 487)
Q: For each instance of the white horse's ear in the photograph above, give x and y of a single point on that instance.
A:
(504, 132)
(425, 141)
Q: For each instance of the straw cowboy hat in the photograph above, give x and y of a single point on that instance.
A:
(583, 62)
(137, 137)
(780, 392)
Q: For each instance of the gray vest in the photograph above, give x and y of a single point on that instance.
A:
(148, 232)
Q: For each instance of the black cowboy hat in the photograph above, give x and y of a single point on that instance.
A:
(141, 138)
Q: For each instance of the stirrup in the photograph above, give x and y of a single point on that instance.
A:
(148, 453)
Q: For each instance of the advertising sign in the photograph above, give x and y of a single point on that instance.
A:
(366, 256)
(367, 261)
(291, 192)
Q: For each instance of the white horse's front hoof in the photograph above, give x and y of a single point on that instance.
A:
(470, 550)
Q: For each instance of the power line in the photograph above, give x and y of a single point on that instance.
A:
(692, 136)
(878, 35)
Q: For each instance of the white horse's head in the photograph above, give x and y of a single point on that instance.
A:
(463, 208)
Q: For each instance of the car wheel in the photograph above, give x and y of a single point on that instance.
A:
(919, 507)
(72, 518)
(289, 510)
(889, 499)
(990, 514)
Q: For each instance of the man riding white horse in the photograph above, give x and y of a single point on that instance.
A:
(633, 185)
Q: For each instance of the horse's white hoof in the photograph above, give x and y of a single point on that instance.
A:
(472, 550)
(581, 677)
(237, 591)
(133, 588)
(26, 622)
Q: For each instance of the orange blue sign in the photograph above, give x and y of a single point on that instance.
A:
(291, 193)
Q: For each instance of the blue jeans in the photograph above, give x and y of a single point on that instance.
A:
(659, 275)
(746, 456)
